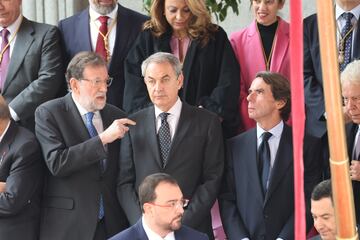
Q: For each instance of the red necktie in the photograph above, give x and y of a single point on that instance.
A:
(102, 37)
(5, 57)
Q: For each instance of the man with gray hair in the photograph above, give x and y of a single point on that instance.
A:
(80, 139)
(175, 138)
(350, 83)
(108, 28)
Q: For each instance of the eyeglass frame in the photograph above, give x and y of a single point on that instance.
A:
(174, 204)
(96, 83)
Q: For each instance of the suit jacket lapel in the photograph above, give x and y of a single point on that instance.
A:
(83, 38)
(283, 160)
(74, 114)
(182, 129)
(150, 134)
(281, 45)
(123, 30)
(253, 42)
(351, 130)
(24, 39)
(252, 164)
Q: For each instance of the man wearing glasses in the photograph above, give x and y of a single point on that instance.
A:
(162, 205)
(175, 138)
(80, 139)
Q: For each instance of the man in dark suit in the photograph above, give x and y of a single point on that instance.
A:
(81, 33)
(21, 179)
(313, 82)
(175, 138)
(31, 70)
(79, 135)
(323, 212)
(350, 83)
(162, 204)
(259, 175)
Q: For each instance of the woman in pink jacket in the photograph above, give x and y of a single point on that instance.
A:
(263, 45)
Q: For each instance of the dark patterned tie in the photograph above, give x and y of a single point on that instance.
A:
(92, 131)
(101, 42)
(164, 137)
(5, 60)
(348, 39)
(264, 160)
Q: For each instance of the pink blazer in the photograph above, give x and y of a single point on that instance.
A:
(248, 50)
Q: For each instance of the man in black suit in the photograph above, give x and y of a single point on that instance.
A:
(81, 33)
(21, 179)
(80, 139)
(31, 70)
(350, 83)
(162, 204)
(313, 82)
(172, 137)
(259, 175)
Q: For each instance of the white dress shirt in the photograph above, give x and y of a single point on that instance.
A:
(172, 119)
(95, 25)
(153, 235)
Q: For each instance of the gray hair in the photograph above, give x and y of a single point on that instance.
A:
(80, 61)
(351, 73)
(162, 57)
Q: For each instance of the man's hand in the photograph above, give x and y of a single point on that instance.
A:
(347, 117)
(2, 187)
(355, 170)
(116, 130)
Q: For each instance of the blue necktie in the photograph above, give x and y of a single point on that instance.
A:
(164, 137)
(92, 131)
(348, 39)
(264, 160)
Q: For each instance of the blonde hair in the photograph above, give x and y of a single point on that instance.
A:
(200, 25)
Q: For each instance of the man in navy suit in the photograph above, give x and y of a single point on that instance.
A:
(162, 204)
(313, 82)
(81, 33)
(259, 175)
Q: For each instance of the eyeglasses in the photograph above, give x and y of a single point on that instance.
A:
(183, 203)
(98, 83)
(266, 2)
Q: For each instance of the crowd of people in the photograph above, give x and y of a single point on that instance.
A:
(124, 126)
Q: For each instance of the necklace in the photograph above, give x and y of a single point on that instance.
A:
(105, 37)
(9, 42)
(342, 40)
(267, 59)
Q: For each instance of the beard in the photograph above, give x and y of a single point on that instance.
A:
(103, 10)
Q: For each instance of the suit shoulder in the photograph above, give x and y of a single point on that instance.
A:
(310, 20)
(115, 111)
(241, 137)
(43, 27)
(133, 14)
(73, 18)
(52, 104)
(126, 234)
(190, 233)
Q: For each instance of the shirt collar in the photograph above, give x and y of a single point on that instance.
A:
(153, 235)
(174, 110)
(355, 11)
(14, 26)
(81, 109)
(275, 131)
(95, 15)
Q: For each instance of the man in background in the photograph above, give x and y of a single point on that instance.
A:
(107, 28)
(31, 70)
